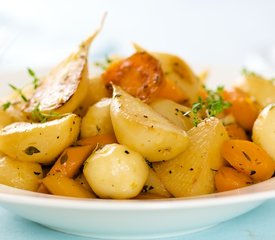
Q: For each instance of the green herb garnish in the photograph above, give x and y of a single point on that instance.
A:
(6, 105)
(247, 72)
(105, 63)
(38, 116)
(19, 91)
(31, 150)
(35, 78)
(211, 106)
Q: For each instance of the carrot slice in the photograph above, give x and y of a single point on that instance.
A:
(243, 108)
(236, 132)
(98, 139)
(69, 163)
(169, 90)
(65, 186)
(140, 75)
(248, 158)
(227, 178)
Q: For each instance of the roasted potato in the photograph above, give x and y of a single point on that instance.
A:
(263, 90)
(264, 128)
(97, 120)
(96, 91)
(18, 174)
(178, 114)
(115, 171)
(192, 172)
(39, 142)
(154, 186)
(65, 87)
(138, 126)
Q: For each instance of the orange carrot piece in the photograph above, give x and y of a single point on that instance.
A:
(97, 140)
(248, 158)
(64, 186)
(68, 163)
(140, 75)
(71, 160)
(243, 108)
(236, 132)
(169, 90)
(227, 178)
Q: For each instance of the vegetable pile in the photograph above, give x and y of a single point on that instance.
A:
(146, 127)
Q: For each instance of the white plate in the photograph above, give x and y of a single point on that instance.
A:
(129, 219)
(134, 219)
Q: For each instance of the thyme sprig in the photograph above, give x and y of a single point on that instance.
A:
(247, 72)
(211, 106)
(39, 116)
(35, 83)
(104, 64)
(19, 91)
(35, 80)
(6, 105)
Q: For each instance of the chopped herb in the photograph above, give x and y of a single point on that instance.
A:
(31, 150)
(127, 152)
(147, 188)
(150, 164)
(246, 156)
(19, 91)
(105, 63)
(252, 172)
(98, 128)
(64, 158)
(211, 106)
(117, 95)
(35, 78)
(247, 72)
(6, 105)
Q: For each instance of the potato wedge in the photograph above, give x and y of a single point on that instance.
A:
(264, 128)
(96, 91)
(174, 112)
(5, 118)
(116, 171)
(192, 172)
(66, 86)
(97, 120)
(251, 83)
(14, 105)
(138, 126)
(176, 73)
(18, 174)
(39, 142)
(153, 185)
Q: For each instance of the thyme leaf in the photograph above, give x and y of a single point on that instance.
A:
(211, 106)
(105, 63)
(31, 150)
(19, 91)
(35, 78)
(6, 105)
(39, 116)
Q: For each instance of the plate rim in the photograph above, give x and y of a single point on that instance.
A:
(11, 195)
